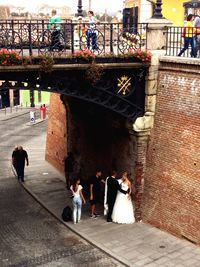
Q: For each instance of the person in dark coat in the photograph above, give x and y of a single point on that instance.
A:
(20, 157)
(69, 169)
(112, 187)
(95, 192)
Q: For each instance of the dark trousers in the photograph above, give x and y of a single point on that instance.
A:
(111, 204)
(20, 172)
(55, 41)
(91, 35)
(188, 41)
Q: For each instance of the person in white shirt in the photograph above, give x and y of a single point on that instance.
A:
(78, 197)
(91, 31)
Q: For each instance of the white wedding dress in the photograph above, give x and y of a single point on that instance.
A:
(123, 208)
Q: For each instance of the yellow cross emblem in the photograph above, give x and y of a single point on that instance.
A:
(124, 84)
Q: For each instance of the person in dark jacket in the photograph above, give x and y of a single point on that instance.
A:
(69, 169)
(21, 157)
(112, 187)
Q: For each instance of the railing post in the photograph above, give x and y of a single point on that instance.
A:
(42, 30)
(30, 40)
(111, 38)
(72, 38)
(12, 28)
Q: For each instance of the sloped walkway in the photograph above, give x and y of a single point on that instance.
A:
(135, 245)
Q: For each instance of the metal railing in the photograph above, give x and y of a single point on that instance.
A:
(175, 42)
(32, 38)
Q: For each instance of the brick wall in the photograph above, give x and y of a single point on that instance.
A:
(171, 198)
(56, 144)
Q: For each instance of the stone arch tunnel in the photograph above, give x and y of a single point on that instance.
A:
(94, 121)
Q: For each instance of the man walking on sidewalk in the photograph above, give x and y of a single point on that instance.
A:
(20, 157)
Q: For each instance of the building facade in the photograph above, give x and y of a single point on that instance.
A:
(172, 10)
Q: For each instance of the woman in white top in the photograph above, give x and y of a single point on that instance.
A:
(78, 197)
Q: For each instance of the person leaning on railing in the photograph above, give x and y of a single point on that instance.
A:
(91, 31)
(55, 27)
(188, 34)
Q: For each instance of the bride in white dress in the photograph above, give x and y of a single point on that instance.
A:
(123, 208)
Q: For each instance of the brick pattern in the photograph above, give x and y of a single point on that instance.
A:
(56, 144)
(140, 165)
(172, 181)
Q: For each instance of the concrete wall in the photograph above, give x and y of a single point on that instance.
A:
(172, 179)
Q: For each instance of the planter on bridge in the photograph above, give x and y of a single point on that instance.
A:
(61, 60)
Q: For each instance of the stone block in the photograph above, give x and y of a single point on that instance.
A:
(143, 123)
(150, 103)
(151, 87)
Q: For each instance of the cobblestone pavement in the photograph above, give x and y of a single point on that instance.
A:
(29, 235)
(135, 245)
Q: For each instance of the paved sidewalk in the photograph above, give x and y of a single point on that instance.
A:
(135, 245)
(8, 113)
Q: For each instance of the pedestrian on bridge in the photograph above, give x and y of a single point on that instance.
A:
(188, 35)
(55, 26)
(91, 31)
(20, 157)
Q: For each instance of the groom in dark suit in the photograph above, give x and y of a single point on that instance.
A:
(112, 188)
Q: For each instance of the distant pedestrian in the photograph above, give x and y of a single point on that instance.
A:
(77, 199)
(91, 31)
(188, 36)
(43, 112)
(20, 157)
(95, 192)
(55, 27)
(69, 169)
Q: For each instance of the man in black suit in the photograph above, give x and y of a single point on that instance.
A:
(112, 188)
(20, 157)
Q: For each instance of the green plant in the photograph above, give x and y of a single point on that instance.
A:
(46, 63)
(94, 73)
(9, 57)
(86, 55)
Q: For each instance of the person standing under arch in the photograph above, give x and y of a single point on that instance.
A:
(69, 169)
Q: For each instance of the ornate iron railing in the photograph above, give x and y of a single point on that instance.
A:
(36, 37)
(175, 42)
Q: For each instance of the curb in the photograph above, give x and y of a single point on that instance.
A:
(89, 240)
(34, 123)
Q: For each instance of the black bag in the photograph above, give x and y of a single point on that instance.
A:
(67, 214)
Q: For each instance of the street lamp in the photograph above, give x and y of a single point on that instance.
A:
(158, 10)
(80, 11)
